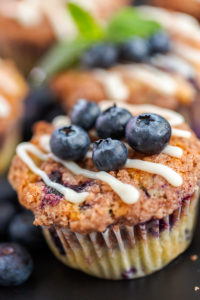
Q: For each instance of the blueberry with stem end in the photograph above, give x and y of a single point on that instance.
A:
(109, 155)
(69, 142)
(85, 113)
(148, 133)
(112, 122)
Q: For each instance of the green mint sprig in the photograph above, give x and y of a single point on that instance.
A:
(122, 26)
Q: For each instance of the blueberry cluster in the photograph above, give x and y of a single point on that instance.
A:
(17, 234)
(104, 55)
(146, 133)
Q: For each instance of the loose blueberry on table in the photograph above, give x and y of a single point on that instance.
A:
(15, 264)
(22, 230)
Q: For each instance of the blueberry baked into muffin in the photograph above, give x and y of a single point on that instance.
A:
(29, 27)
(115, 187)
(13, 90)
(152, 57)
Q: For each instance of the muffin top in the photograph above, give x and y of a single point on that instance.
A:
(162, 68)
(13, 90)
(147, 176)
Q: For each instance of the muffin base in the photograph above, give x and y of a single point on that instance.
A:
(127, 252)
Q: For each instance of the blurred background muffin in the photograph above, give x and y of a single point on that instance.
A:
(191, 7)
(28, 28)
(13, 90)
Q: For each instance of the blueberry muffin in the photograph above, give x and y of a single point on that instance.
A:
(12, 93)
(191, 7)
(161, 69)
(120, 201)
(29, 28)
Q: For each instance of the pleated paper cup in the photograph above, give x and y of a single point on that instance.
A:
(127, 252)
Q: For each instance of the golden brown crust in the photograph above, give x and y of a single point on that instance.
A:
(103, 207)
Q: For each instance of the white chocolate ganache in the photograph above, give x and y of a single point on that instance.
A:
(128, 193)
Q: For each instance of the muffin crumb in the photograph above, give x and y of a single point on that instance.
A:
(193, 257)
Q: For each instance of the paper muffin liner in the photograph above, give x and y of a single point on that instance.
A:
(126, 252)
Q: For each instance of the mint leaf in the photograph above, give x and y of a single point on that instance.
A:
(61, 56)
(87, 25)
(128, 23)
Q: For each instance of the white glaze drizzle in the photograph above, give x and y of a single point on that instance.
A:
(181, 133)
(169, 150)
(187, 52)
(173, 117)
(174, 63)
(181, 23)
(155, 168)
(157, 79)
(60, 121)
(68, 193)
(113, 84)
(126, 192)
(4, 107)
(173, 151)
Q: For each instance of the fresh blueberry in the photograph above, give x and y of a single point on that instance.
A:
(109, 155)
(85, 113)
(7, 212)
(100, 56)
(70, 142)
(136, 50)
(160, 42)
(148, 133)
(22, 230)
(112, 122)
(15, 264)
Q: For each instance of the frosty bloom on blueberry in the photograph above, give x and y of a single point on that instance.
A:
(109, 155)
(85, 113)
(70, 142)
(101, 55)
(112, 122)
(148, 133)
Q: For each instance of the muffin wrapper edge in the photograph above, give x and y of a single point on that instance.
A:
(126, 252)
